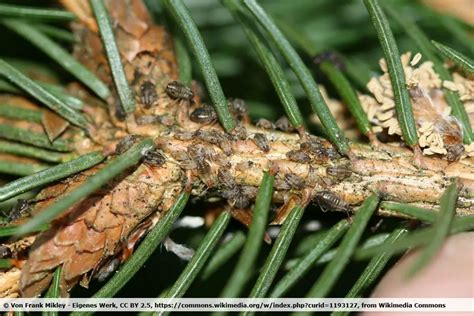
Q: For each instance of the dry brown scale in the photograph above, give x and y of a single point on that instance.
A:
(194, 153)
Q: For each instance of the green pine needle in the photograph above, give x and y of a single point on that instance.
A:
(50, 175)
(348, 245)
(188, 27)
(416, 212)
(26, 136)
(372, 271)
(45, 97)
(441, 226)
(395, 69)
(7, 10)
(194, 267)
(20, 168)
(277, 254)
(335, 75)
(238, 279)
(271, 65)
(58, 54)
(124, 91)
(459, 59)
(184, 61)
(304, 75)
(17, 113)
(305, 263)
(33, 152)
(224, 254)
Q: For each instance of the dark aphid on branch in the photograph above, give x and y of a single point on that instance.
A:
(330, 56)
(339, 172)
(107, 269)
(298, 156)
(216, 138)
(5, 252)
(239, 133)
(455, 151)
(177, 90)
(199, 155)
(261, 141)
(329, 201)
(238, 108)
(225, 178)
(19, 210)
(154, 157)
(283, 124)
(317, 149)
(203, 115)
(126, 143)
(236, 197)
(148, 94)
(292, 181)
(265, 124)
(148, 119)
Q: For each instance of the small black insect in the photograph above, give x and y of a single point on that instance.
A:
(148, 119)
(216, 138)
(261, 141)
(265, 124)
(239, 133)
(177, 90)
(226, 178)
(340, 172)
(298, 156)
(329, 201)
(203, 115)
(5, 252)
(126, 143)
(455, 152)
(283, 124)
(330, 56)
(154, 157)
(236, 197)
(107, 269)
(292, 181)
(19, 210)
(199, 155)
(238, 108)
(148, 94)
(316, 148)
